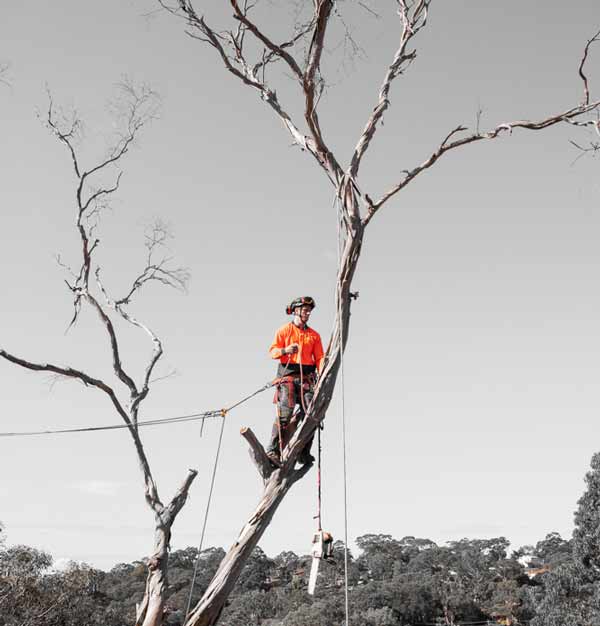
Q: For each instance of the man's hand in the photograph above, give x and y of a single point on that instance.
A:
(291, 349)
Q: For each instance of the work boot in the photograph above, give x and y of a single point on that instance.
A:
(306, 458)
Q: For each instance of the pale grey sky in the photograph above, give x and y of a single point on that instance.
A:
(472, 374)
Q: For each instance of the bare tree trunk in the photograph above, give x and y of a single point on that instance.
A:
(210, 606)
(150, 611)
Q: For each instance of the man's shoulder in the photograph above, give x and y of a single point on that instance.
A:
(312, 331)
(285, 327)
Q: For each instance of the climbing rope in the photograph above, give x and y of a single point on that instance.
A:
(206, 512)
(343, 406)
(153, 422)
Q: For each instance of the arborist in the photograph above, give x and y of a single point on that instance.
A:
(299, 350)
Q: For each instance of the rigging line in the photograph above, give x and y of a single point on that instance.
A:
(155, 422)
(190, 417)
(206, 512)
(343, 407)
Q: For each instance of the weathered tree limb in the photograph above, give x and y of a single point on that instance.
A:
(248, 73)
(150, 611)
(322, 14)
(257, 453)
(586, 90)
(279, 51)
(181, 495)
(69, 372)
(446, 146)
(89, 203)
(413, 18)
(114, 344)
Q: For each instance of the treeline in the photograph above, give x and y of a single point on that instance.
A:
(392, 582)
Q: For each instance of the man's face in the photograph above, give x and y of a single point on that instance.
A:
(303, 312)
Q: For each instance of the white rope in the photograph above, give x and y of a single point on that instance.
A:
(208, 503)
(343, 409)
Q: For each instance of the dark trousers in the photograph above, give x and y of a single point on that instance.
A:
(290, 410)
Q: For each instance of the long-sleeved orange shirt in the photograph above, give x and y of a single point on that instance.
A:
(310, 349)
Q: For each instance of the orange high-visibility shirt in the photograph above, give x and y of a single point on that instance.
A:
(310, 348)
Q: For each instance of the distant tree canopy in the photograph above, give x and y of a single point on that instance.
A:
(393, 582)
(571, 591)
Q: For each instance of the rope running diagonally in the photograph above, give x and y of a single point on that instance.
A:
(153, 422)
(343, 406)
(206, 512)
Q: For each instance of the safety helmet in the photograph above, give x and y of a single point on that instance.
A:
(303, 300)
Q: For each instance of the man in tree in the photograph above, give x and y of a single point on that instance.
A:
(300, 353)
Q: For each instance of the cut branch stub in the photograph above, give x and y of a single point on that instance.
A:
(257, 454)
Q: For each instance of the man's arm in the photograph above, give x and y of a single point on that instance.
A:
(278, 347)
(319, 354)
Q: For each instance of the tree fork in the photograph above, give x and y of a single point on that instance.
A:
(149, 612)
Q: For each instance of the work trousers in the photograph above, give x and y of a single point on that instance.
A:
(290, 410)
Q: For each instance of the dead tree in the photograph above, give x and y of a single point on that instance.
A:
(248, 52)
(126, 395)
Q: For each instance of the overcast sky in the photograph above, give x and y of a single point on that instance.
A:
(472, 372)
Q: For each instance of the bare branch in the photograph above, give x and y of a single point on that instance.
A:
(116, 356)
(257, 453)
(180, 497)
(301, 32)
(594, 149)
(274, 48)
(96, 195)
(157, 270)
(413, 19)
(137, 396)
(322, 13)
(248, 76)
(69, 372)
(446, 145)
(66, 130)
(137, 107)
(586, 91)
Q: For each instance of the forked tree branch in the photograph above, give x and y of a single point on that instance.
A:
(114, 345)
(277, 50)
(157, 352)
(413, 17)
(248, 72)
(446, 146)
(315, 52)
